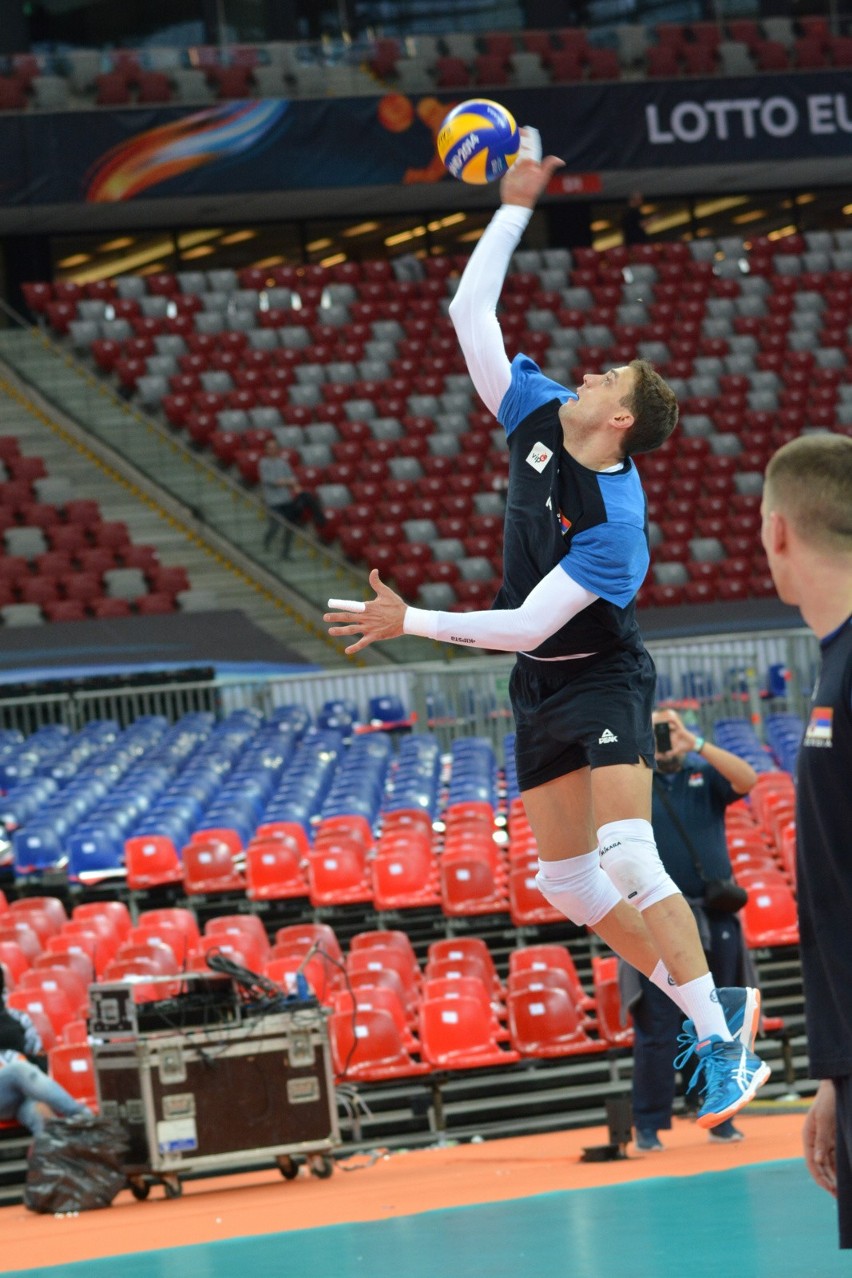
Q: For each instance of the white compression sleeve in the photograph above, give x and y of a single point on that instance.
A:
(555, 600)
(473, 310)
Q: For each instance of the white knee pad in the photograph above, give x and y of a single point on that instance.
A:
(578, 888)
(629, 856)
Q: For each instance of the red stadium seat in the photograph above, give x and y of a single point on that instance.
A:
(369, 1047)
(458, 1033)
(209, 865)
(546, 1022)
(72, 1066)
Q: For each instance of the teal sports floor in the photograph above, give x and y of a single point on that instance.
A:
(765, 1220)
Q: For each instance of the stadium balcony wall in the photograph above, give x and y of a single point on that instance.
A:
(289, 157)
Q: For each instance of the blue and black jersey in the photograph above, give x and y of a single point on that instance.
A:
(824, 876)
(594, 524)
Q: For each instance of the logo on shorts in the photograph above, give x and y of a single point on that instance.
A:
(538, 456)
(607, 737)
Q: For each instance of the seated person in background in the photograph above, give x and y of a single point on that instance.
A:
(283, 495)
(25, 1088)
(690, 795)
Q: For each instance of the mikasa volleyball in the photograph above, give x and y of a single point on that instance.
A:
(478, 141)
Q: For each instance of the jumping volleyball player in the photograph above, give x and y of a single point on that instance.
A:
(582, 689)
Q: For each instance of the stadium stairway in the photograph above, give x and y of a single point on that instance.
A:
(216, 582)
(195, 514)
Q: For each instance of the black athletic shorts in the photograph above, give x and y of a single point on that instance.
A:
(843, 1157)
(591, 712)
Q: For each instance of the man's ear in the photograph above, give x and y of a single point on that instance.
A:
(778, 532)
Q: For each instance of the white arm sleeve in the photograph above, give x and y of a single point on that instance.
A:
(555, 600)
(473, 310)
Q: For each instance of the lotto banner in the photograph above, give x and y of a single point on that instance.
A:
(103, 156)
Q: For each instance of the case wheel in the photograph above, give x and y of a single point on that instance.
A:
(172, 1186)
(288, 1167)
(140, 1189)
(321, 1166)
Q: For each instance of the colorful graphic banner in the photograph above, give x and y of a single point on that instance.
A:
(103, 156)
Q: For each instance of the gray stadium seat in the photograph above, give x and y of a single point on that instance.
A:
(216, 381)
(222, 280)
(125, 583)
(312, 375)
(489, 503)
(196, 600)
(192, 282)
(670, 574)
(54, 490)
(315, 454)
(334, 496)
(385, 427)
(526, 260)
(83, 333)
(262, 339)
(540, 321)
(169, 344)
(342, 371)
(235, 420)
(696, 425)
(405, 468)
(294, 337)
(436, 594)
(130, 286)
(25, 541)
(475, 568)
(289, 436)
(749, 483)
(21, 614)
(556, 257)
(306, 396)
(264, 418)
(446, 549)
(706, 550)
(725, 444)
(321, 433)
(423, 405)
(151, 389)
(419, 530)
(211, 322)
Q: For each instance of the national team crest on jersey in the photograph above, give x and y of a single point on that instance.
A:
(695, 779)
(819, 729)
(538, 456)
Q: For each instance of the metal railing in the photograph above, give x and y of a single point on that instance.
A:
(712, 678)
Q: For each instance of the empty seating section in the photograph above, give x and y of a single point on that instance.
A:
(459, 61)
(300, 848)
(361, 379)
(60, 560)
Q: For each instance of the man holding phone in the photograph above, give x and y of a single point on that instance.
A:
(694, 783)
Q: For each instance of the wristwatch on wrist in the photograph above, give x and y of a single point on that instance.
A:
(699, 744)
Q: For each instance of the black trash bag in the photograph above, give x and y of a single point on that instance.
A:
(76, 1164)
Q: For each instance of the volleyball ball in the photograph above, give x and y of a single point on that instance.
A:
(478, 141)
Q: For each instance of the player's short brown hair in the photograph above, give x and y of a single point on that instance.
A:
(653, 404)
(809, 481)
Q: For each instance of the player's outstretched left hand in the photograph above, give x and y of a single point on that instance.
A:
(529, 176)
(377, 619)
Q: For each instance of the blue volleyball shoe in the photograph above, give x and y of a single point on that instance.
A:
(729, 1075)
(741, 1005)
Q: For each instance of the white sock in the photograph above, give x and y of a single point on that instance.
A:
(703, 1007)
(660, 977)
